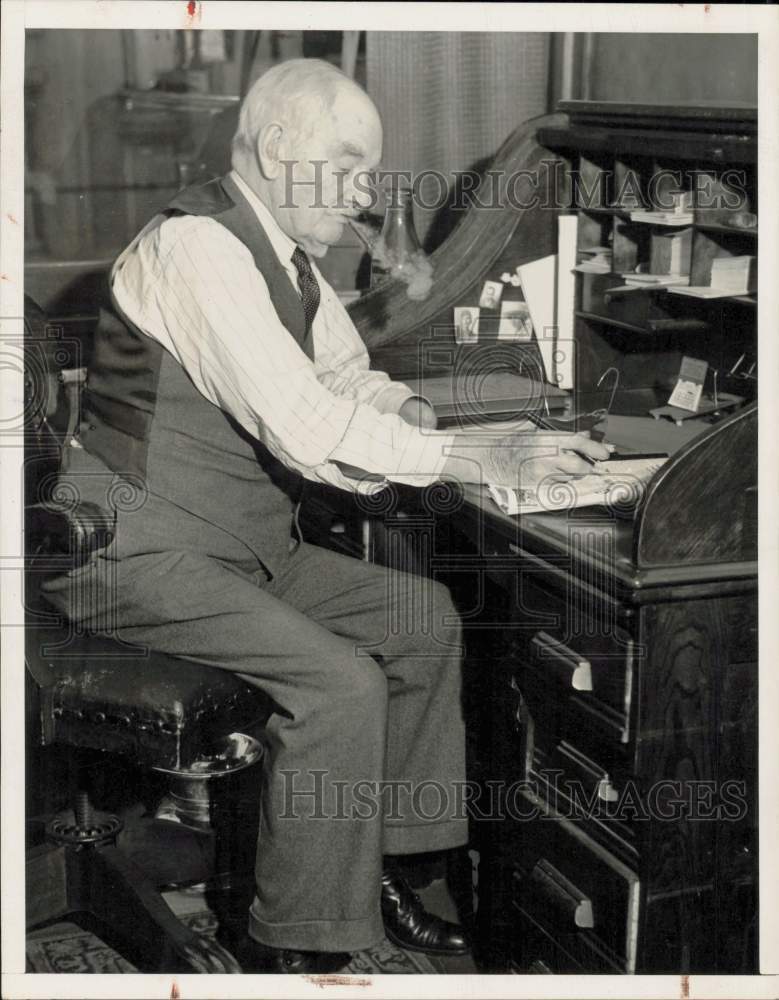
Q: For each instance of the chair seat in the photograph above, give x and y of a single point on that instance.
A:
(164, 712)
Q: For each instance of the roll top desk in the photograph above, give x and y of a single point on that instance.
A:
(611, 680)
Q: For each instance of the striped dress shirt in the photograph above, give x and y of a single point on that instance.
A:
(192, 286)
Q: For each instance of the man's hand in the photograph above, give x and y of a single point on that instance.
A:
(526, 459)
(418, 412)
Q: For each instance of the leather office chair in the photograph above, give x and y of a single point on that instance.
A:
(96, 697)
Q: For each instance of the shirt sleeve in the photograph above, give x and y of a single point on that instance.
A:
(342, 362)
(193, 286)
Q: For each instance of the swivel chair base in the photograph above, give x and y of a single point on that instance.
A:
(81, 870)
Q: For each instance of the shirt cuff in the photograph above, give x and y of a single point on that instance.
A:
(435, 449)
(391, 398)
(422, 463)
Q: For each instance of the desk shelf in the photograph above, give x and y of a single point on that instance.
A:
(622, 160)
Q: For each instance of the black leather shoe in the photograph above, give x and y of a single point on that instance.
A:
(408, 924)
(255, 957)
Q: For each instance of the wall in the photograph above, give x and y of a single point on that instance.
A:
(667, 69)
(449, 100)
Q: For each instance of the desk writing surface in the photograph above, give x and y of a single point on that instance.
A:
(556, 536)
(594, 538)
(647, 434)
(589, 543)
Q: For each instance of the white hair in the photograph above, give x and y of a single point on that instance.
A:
(295, 93)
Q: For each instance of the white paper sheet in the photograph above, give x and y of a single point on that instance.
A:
(615, 483)
(538, 287)
(566, 291)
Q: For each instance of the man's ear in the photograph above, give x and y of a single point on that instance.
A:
(268, 150)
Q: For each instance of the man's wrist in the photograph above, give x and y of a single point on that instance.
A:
(392, 398)
(419, 412)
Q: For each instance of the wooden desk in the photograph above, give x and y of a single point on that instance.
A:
(611, 703)
(619, 730)
(619, 652)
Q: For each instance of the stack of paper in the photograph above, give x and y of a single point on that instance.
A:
(598, 260)
(729, 276)
(564, 347)
(702, 292)
(736, 275)
(677, 213)
(655, 280)
(538, 279)
(663, 218)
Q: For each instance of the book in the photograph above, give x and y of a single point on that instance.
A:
(474, 395)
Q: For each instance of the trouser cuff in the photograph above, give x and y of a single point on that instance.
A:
(318, 935)
(424, 837)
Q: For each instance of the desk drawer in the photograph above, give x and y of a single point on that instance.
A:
(581, 788)
(578, 774)
(532, 951)
(575, 653)
(575, 890)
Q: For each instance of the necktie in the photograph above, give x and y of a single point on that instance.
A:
(309, 287)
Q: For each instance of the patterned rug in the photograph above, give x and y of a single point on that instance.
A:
(65, 947)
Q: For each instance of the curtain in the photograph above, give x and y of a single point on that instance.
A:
(449, 99)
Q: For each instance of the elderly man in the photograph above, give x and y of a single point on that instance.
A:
(227, 374)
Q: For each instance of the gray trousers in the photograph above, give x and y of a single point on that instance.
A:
(366, 755)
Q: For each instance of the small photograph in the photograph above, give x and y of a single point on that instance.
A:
(490, 295)
(466, 324)
(515, 322)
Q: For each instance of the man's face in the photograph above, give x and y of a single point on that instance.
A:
(322, 186)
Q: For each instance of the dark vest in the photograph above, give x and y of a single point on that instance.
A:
(211, 485)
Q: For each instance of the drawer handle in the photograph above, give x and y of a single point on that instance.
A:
(571, 669)
(591, 775)
(562, 894)
(606, 791)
